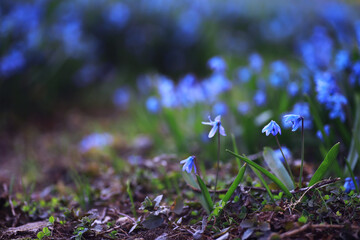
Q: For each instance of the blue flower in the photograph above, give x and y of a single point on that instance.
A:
(272, 128)
(260, 97)
(12, 63)
(153, 105)
(303, 109)
(294, 119)
(286, 152)
(118, 14)
(327, 132)
(349, 184)
(328, 93)
(189, 163)
(220, 108)
(342, 60)
(121, 98)
(256, 62)
(279, 74)
(355, 74)
(216, 125)
(217, 64)
(243, 108)
(244, 74)
(293, 88)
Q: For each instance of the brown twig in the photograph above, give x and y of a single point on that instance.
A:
(314, 226)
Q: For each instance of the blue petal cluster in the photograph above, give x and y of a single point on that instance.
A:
(349, 184)
(216, 125)
(189, 164)
(294, 119)
(329, 94)
(272, 128)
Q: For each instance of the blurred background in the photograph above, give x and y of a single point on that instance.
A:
(160, 67)
(57, 54)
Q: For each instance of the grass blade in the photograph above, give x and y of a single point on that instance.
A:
(277, 167)
(205, 193)
(234, 185)
(264, 171)
(325, 165)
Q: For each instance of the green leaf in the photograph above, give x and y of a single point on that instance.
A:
(190, 179)
(302, 219)
(46, 231)
(234, 185)
(324, 166)
(264, 171)
(277, 167)
(51, 219)
(205, 193)
(40, 235)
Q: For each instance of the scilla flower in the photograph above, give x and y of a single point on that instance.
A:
(272, 128)
(216, 125)
(294, 119)
(189, 163)
(349, 184)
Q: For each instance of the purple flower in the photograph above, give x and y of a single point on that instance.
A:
(294, 119)
(272, 128)
(189, 163)
(216, 125)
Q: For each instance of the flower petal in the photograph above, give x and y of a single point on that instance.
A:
(213, 131)
(222, 131)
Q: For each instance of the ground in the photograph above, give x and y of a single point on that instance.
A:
(52, 191)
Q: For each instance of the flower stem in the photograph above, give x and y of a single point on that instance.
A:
(198, 172)
(286, 163)
(302, 152)
(217, 167)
